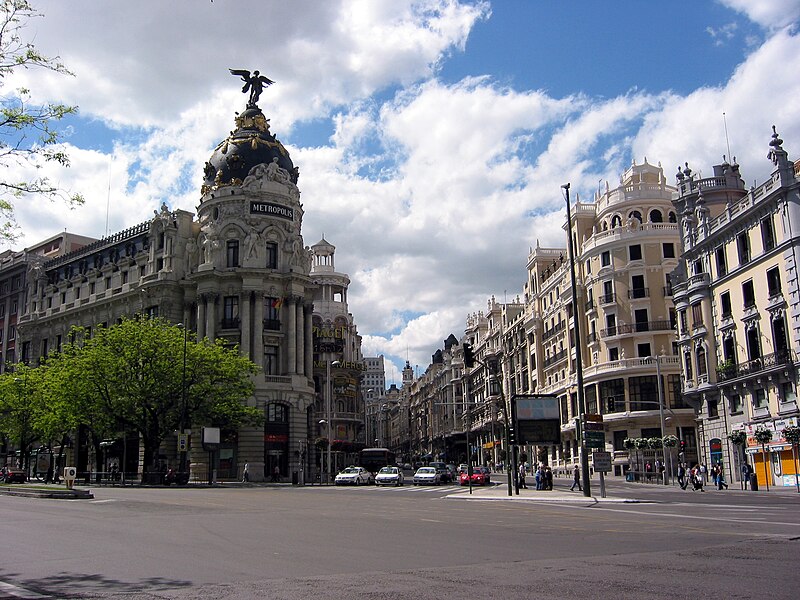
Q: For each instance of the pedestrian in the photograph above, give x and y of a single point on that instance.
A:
(747, 471)
(576, 479)
(522, 482)
(648, 469)
(538, 478)
(246, 473)
(703, 473)
(276, 474)
(721, 478)
(548, 478)
(682, 475)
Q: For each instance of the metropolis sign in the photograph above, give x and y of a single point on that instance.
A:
(272, 210)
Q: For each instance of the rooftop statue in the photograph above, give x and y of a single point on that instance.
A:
(255, 83)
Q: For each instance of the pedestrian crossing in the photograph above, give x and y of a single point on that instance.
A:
(405, 489)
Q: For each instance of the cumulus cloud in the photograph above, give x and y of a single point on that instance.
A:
(433, 190)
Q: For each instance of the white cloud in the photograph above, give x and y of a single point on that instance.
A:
(770, 14)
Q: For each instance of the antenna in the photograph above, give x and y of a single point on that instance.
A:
(725, 123)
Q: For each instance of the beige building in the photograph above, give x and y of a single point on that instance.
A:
(736, 293)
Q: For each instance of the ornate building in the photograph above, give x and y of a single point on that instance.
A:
(737, 293)
(239, 271)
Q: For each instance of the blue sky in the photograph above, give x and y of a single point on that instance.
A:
(432, 136)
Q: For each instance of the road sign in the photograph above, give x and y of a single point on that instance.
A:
(592, 426)
(601, 461)
(183, 442)
(594, 439)
(593, 418)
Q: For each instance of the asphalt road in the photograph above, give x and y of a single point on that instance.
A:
(408, 543)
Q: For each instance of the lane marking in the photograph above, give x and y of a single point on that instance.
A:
(18, 592)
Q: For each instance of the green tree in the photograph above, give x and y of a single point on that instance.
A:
(132, 375)
(18, 410)
(27, 132)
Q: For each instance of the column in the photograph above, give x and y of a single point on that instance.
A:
(246, 324)
(258, 331)
(308, 310)
(211, 316)
(201, 317)
(300, 335)
(291, 329)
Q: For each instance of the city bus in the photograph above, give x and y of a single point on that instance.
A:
(372, 459)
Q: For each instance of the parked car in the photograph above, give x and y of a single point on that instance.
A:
(353, 476)
(444, 473)
(478, 477)
(12, 475)
(389, 476)
(427, 476)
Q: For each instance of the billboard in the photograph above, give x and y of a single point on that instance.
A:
(537, 419)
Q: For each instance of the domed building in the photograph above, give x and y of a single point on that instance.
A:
(238, 271)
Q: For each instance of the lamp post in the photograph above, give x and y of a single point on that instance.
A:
(328, 365)
(183, 401)
(578, 348)
(661, 415)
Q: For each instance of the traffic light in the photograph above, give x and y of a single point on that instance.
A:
(611, 406)
(683, 445)
(469, 355)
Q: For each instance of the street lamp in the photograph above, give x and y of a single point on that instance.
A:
(578, 348)
(328, 365)
(657, 358)
(183, 402)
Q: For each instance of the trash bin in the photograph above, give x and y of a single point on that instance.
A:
(754, 482)
(295, 478)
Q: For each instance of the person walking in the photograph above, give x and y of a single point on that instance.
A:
(576, 479)
(682, 476)
(522, 473)
(246, 473)
(548, 478)
(721, 478)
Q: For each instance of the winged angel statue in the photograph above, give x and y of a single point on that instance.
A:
(255, 83)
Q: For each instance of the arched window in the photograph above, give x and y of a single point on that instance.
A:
(673, 218)
(656, 216)
(635, 214)
(277, 413)
(702, 364)
(616, 221)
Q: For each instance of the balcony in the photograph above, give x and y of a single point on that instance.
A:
(667, 291)
(558, 356)
(608, 298)
(635, 293)
(757, 365)
(547, 334)
(636, 328)
(272, 324)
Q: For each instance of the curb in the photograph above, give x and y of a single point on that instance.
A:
(55, 494)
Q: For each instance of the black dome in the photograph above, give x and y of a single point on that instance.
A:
(250, 145)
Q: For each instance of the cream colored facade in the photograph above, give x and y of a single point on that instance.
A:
(738, 306)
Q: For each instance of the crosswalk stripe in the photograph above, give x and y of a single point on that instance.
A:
(17, 592)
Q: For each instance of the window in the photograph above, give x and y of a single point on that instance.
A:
(635, 252)
(702, 363)
(230, 314)
(77, 292)
(12, 332)
(743, 246)
(232, 253)
(643, 392)
(605, 258)
(272, 315)
(608, 292)
(788, 394)
(589, 267)
(767, 234)
(124, 277)
(272, 255)
(760, 398)
(643, 350)
(774, 282)
(697, 315)
(613, 354)
(63, 297)
(713, 407)
(636, 216)
(668, 249)
(656, 216)
(725, 305)
(638, 290)
(748, 294)
(271, 360)
(735, 403)
(277, 413)
(722, 265)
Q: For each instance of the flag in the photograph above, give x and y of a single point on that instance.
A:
(277, 303)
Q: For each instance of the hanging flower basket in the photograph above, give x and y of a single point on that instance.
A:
(654, 443)
(670, 441)
(629, 443)
(792, 434)
(763, 436)
(642, 443)
(738, 437)
(321, 443)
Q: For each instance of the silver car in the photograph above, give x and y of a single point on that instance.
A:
(353, 476)
(389, 476)
(427, 476)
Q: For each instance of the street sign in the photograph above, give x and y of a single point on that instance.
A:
(601, 461)
(183, 442)
(594, 439)
(593, 418)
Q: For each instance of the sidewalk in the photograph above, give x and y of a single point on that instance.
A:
(531, 494)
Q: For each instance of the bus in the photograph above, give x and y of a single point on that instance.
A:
(373, 459)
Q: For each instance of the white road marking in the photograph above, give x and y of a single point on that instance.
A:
(18, 592)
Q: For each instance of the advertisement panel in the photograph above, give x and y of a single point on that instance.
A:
(537, 419)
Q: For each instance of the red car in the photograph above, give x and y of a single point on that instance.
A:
(478, 477)
(11, 475)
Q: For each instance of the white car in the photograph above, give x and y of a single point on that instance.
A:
(427, 476)
(389, 476)
(353, 476)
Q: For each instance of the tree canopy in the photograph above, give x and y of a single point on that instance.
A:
(131, 377)
(28, 132)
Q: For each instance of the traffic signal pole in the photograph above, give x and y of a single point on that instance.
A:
(584, 455)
